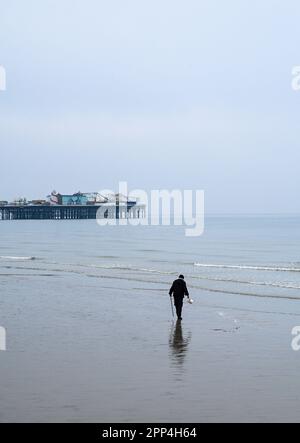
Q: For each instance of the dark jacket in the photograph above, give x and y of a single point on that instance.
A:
(178, 288)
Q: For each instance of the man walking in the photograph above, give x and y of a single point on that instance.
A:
(179, 290)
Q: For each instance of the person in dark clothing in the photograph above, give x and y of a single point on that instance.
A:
(179, 290)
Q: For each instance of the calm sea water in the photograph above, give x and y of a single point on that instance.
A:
(90, 334)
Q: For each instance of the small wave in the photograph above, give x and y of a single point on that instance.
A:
(9, 257)
(248, 282)
(115, 266)
(121, 267)
(248, 294)
(256, 268)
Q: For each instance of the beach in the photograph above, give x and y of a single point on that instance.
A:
(90, 332)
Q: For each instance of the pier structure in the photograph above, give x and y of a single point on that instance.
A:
(70, 212)
(88, 205)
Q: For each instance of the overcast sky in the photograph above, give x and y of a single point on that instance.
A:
(163, 94)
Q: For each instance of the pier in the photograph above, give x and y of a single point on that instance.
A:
(70, 212)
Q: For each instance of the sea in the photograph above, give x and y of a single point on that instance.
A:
(90, 332)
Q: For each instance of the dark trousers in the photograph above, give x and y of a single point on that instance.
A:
(178, 302)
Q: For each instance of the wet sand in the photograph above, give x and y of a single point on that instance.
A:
(111, 353)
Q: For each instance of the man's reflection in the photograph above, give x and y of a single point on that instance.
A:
(178, 345)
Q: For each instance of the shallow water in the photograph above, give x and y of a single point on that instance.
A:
(90, 334)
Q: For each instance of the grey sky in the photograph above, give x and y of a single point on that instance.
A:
(163, 94)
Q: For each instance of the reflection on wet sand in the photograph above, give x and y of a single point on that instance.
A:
(178, 345)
